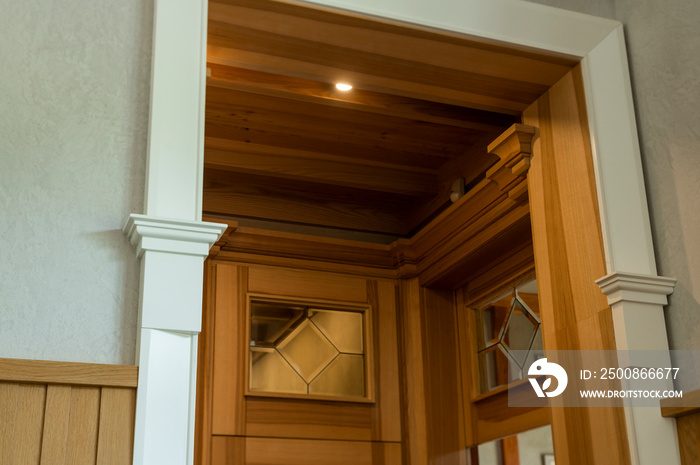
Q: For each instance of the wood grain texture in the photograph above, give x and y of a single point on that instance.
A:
(569, 257)
(66, 425)
(689, 438)
(57, 416)
(446, 424)
(308, 419)
(307, 284)
(679, 407)
(82, 440)
(115, 444)
(82, 374)
(227, 450)
(22, 410)
(414, 396)
(378, 49)
(268, 451)
(308, 90)
(424, 106)
(228, 369)
(386, 413)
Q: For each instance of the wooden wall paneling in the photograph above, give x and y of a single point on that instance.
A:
(569, 258)
(292, 418)
(228, 450)
(81, 447)
(307, 284)
(57, 416)
(8, 413)
(386, 413)
(21, 428)
(115, 442)
(229, 365)
(71, 425)
(446, 428)
(273, 451)
(76, 424)
(411, 344)
(386, 453)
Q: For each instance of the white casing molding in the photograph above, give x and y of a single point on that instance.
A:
(170, 239)
(627, 287)
(172, 256)
(637, 303)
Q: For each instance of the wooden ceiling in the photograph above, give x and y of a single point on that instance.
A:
(283, 144)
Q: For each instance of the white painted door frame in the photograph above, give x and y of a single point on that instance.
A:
(172, 240)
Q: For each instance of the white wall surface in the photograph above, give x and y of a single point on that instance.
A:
(663, 43)
(74, 91)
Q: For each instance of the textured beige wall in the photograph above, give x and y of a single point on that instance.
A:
(663, 43)
(74, 90)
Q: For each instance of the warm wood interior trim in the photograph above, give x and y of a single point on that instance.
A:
(492, 219)
(77, 374)
(687, 405)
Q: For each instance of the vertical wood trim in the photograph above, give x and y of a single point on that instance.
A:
(116, 427)
(445, 419)
(569, 258)
(414, 405)
(386, 415)
(9, 394)
(229, 368)
(509, 450)
(205, 370)
(31, 405)
(689, 438)
(55, 441)
(82, 426)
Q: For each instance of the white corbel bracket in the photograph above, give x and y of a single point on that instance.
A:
(630, 287)
(172, 235)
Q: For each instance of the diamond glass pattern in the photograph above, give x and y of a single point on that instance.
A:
(298, 349)
(509, 329)
(307, 351)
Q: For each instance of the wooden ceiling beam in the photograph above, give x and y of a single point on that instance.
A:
(393, 42)
(307, 90)
(309, 144)
(405, 87)
(270, 202)
(327, 172)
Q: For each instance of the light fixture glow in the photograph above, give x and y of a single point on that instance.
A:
(343, 87)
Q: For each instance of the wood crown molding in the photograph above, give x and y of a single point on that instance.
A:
(171, 235)
(491, 220)
(514, 149)
(629, 287)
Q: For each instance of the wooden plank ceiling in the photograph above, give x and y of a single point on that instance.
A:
(283, 144)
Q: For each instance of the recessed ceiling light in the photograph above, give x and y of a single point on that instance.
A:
(343, 87)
